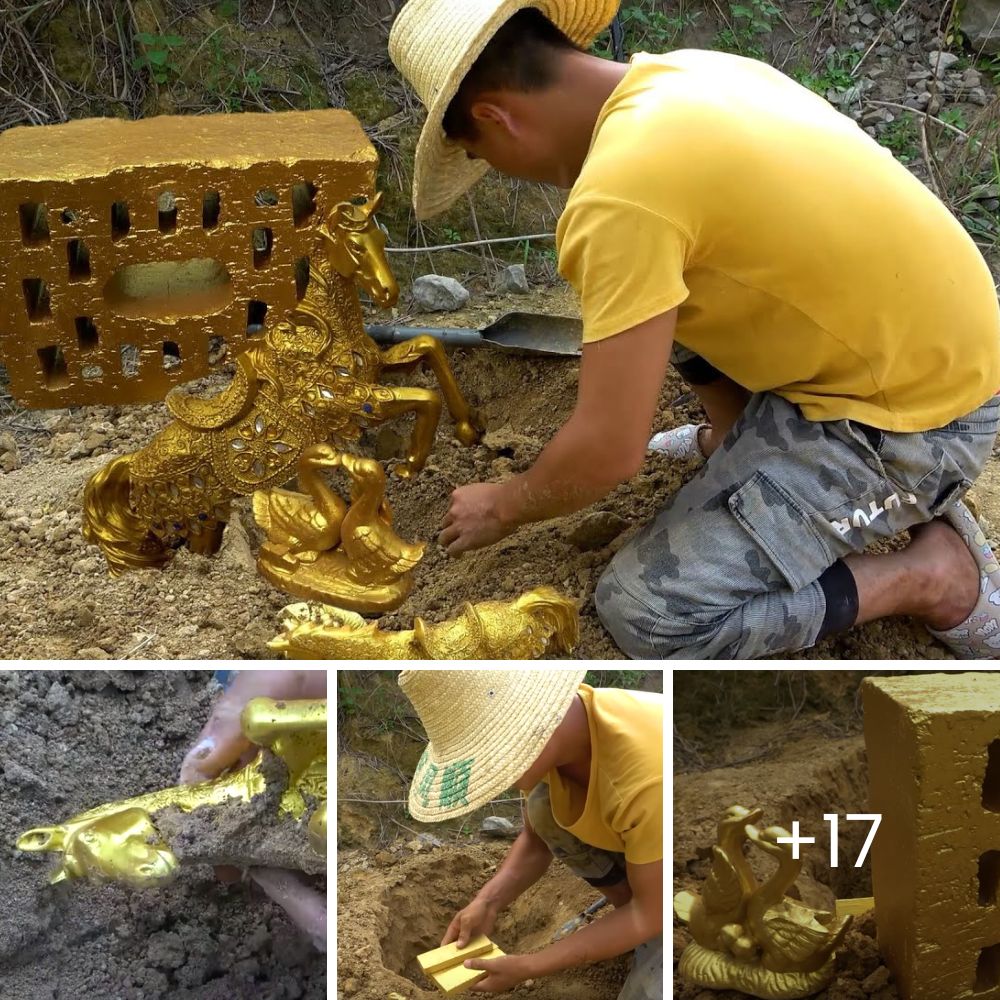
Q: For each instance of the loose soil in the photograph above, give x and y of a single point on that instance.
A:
(57, 600)
(398, 905)
(70, 741)
(794, 769)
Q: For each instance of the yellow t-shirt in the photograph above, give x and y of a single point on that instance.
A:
(804, 258)
(622, 809)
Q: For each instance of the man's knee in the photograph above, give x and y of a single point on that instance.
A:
(644, 634)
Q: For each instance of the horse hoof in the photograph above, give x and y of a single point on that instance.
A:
(467, 432)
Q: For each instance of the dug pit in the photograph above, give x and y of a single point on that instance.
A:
(390, 912)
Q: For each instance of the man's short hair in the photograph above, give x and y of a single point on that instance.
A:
(522, 55)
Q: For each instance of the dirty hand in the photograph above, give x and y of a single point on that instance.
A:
(474, 518)
(477, 918)
(504, 973)
(221, 745)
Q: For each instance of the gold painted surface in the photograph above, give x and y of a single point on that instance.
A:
(934, 775)
(540, 621)
(118, 841)
(314, 377)
(105, 304)
(750, 936)
(322, 548)
(854, 907)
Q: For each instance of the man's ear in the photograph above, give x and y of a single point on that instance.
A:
(490, 112)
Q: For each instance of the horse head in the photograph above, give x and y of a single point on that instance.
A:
(356, 249)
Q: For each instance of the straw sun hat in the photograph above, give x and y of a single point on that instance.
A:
(486, 728)
(434, 44)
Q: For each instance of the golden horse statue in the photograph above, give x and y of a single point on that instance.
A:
(313, 378)
(750, 936)
(119, 841)
(540, 621)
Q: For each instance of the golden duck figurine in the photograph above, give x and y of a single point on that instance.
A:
(305, 525)
(792, 937)
(320, 547)
(750, 937)
(122, 841)
(717, 916)
(540, 621)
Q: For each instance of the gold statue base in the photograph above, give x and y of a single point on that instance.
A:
(329, 580)
(718, 971)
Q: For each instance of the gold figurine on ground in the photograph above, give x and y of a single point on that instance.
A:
(321, 548)
(750, 936)
(312, 378)
(120, 841)
(539, 621)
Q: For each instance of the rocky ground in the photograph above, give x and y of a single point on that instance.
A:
(70, 741)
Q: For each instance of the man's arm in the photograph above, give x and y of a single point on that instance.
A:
(626, 928)
(602, 445)
(527, 861)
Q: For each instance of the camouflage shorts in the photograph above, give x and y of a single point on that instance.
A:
(598, 867)
(729, 567)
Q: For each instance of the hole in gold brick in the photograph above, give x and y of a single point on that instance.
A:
(166, 212)
(171, 354)
(256, 313)
(263, 240)
(67, 216)
(34, 222)
(92, 373)
(218, 349)
(36, 298)
(79, 260)
(211, 207)
(53, 365)
(128, 355)
(989, 878)
(167, 290)
(121, 221)
(266, 198)
(86, 334)
(303, 202)
(301, 277)
(987, 969)
(991, 780)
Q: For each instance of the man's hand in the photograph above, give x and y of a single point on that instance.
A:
(475, 518)
(477, 918)
(504, 973)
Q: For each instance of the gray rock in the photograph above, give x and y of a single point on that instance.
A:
(439, 293)
(868, 18)
(497, 826)
(972, 78)
(980, 23)
(941, 62)
(514, 280)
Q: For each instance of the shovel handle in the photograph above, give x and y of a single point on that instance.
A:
(446, 335)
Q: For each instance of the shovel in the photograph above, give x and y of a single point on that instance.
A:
(518, 333)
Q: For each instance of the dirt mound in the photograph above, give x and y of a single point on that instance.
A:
(69, 741)
(389, 912)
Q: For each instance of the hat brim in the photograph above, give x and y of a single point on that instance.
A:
(442, 171)
(471, 775)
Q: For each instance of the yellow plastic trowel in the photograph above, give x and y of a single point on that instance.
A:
(444, 965)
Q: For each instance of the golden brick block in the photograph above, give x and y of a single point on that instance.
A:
(135, 250)
(444, 965)
(933, 744)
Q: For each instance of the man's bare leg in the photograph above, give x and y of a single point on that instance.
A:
(934, 579)
(723, 402)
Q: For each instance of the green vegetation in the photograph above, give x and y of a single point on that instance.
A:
(617, 678)
(835, 74)
(900, 137)
(156, 56)
(647, 28)
(750, 21)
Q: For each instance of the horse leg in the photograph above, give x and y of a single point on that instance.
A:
(426, 348)
(207, 541)
(425, 405)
